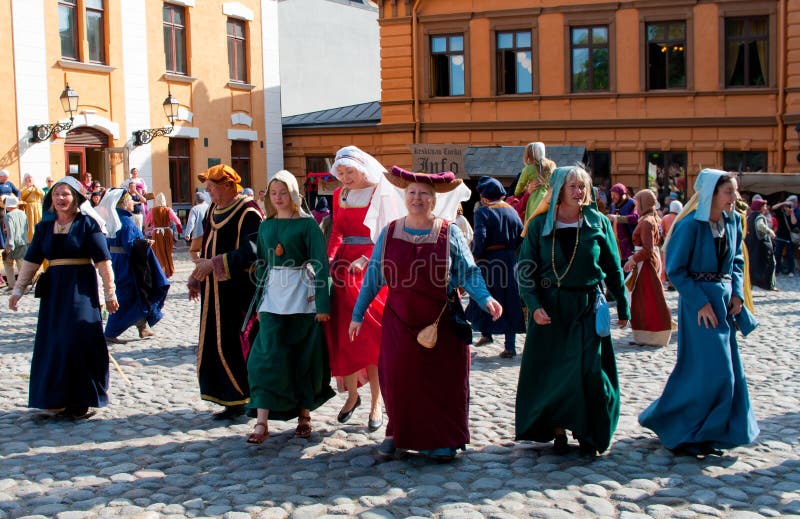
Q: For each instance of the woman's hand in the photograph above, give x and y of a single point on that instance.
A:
(355, 329)
(12, 302)
(533, 185)
(358, 265)
(112, 305)
(628, 266)
(494, 309)
(321, 318)
(622, 323)
(735, 306)
(540, 317)
(707, 316)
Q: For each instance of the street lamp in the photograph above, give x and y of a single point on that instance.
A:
(171, 106)
(69, 102)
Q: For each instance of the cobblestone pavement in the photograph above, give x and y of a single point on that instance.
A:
(155, 452)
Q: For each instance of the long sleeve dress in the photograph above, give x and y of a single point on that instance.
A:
(70, 358)
(288, 366)
(158, 222)
(568, 375)
(651, 320)
(705, 400)
(32, 196)
(350, 239)
(426, 391)
(762, 255)
(141, 284)
(627, 218)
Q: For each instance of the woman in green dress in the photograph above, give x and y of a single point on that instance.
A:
(568, 375)
(288, 367)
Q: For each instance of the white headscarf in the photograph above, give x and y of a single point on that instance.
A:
(360, 160)
(107, 208)
(161, 200)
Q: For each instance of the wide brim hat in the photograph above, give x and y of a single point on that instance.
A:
(442, 182)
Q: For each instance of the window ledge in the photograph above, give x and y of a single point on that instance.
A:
(178, 78)
(80, 65)
(240, 86)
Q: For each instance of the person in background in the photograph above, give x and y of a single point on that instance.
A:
(32, 196)
(87, 182)
(705, 405)
(262, 194)
(759, 246)
(194, 222)
(494, 247)
(141, 284)
(95, 198)
(568, 375)
(624, 218)
(651, 321)
(69, 368)
(675, 207)
(534, 181)
(787, 223)
(138, 205)
(6, 186)
(463, 224)
(16, 229)
(48, 184)
(157, 226)
(320, 209)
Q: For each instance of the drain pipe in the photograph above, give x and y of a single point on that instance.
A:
(781, 86)
(415, 70)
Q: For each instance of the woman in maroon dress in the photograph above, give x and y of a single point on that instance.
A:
(422, 259)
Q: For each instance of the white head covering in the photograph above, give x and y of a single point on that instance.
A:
(675, 207)
(294, 192)
(360, 160)
(538, 151)
(3, 173)
(161, 200)
(757, 197)
(107, 208)
(10, 201)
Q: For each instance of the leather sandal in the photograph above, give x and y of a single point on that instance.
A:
(303, 427)
(258, 438)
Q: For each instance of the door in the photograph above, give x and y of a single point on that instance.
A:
(115, 170)
(75, 165)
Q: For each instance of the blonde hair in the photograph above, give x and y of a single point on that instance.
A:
(577, 172)
(270, 211)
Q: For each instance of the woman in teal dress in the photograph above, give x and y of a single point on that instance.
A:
(288, 368)
(568, 375)
(705, 405)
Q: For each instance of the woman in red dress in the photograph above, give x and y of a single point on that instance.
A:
(349, 249)
(651, 320)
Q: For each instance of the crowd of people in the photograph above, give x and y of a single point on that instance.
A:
(284, 310)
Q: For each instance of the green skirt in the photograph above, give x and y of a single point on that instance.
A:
(568, 374)
(288, 368)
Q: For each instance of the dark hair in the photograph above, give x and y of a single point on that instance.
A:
(724, 179)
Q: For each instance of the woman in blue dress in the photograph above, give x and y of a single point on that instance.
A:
(705, 405)
(69, 369)
(142, 285)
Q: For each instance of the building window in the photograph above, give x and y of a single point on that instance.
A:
(318, 164)
(514, 65)
(175, 38)
(95, 31)
(589, 58)
(746, 51)
(447, 65)
(666, 172)
(68, 28)
(180, 177)
(744, 161)
(237, 48)
(666, 55)
(240, 160)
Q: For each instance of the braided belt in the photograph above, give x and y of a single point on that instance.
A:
(714, 277)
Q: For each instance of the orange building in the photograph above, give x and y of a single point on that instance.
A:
(652, 90)
(123, 58)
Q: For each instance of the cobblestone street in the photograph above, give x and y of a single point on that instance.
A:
(155, 452)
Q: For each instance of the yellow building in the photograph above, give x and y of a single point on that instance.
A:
(123, 58)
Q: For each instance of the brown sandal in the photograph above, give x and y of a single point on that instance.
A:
(303, 426)
(258, 438)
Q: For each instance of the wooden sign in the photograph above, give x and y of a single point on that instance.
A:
(436, 158)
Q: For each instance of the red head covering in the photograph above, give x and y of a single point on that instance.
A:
(757, 205)
(619, 189)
